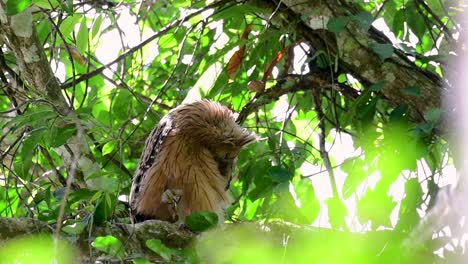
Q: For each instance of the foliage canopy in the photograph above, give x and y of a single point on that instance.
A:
(345, 97)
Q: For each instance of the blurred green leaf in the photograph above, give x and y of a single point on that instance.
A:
(365, 20)
(82, 37)
(377, 86)
(104, 208)
(309, 204)
(158, 246)
(110, 245)
(74, 229)
(46, 4)
(338, 24)
(398, 22)
(14, 7)
(336, 212)
(415, 20)
(433, 115)
(384, 51)
(376, 206)
(109, 147)
(68, 25)
(354, 168)
(278, 174)
(96, 26)
(31, 249)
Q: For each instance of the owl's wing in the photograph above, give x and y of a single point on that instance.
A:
(153, 147)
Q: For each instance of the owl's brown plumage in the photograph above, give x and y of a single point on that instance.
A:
(187, 163)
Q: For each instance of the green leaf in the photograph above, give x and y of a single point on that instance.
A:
(310, 206)
(336, 212)
(23, 162)
(278, 174)
(433, 115)
(67, 5)
(162, 250)
(250, 208)
(68, 25)
(43, 30)
(364, 19)
(263, 187)
(122, 105)
(35, 248)
(411, 90)
(110, 245)
(367, 112)
(200, 221)
(74, 229)
(82, 194)
(104, 209)
(398, 113)
(377, 86)
(398, 22)
(338, 24)
(415, 21)
(82, 37)
(181, 3)
(383, 50)
(342, 78)
(408, 215)
(46, 4)
(354, 168)
(167, 41)
(14, 7)
(60, 135)
(38, 116)
(109, 147)
(96, 26)
(376, 206)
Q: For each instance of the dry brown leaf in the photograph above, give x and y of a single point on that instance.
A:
(236, 58)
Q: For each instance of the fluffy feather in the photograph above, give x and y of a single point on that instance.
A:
(187, 163)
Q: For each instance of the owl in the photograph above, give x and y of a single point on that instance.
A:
(187, 163)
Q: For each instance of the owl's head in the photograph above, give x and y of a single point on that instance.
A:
(213, 125)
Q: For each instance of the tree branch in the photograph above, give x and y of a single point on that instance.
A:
(290, 84)
(351, 47)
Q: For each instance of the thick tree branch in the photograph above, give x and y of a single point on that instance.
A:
(290, 84)
(227, 239)
(133, 237)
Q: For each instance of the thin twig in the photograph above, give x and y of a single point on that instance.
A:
(322, 136)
